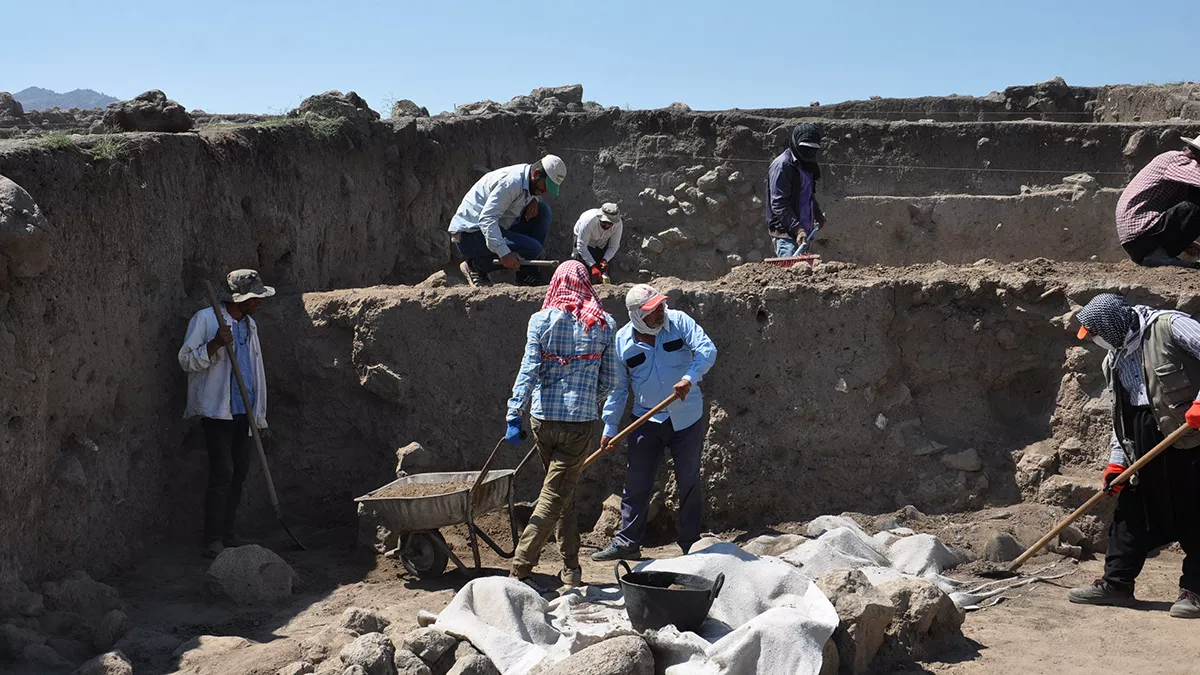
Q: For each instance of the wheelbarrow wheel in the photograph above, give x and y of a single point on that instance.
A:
(424, 554)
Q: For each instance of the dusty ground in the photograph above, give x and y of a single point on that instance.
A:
(1034, 630)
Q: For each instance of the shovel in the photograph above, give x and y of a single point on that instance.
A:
(629, 429)
(262, 456)
(1011, 569)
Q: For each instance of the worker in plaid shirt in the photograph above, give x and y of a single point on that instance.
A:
(569, 368)
(1158, 215)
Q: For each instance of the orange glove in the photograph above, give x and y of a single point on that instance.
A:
(1193, 415)
(1110, 473)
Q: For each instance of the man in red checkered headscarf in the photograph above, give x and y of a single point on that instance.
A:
(568, 370)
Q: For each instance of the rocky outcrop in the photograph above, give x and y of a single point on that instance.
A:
(150, 111)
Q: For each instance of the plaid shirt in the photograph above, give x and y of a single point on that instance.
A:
(570, 371)
(1185, 333)
(1161, 184)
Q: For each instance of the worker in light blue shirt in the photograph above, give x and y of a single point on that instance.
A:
(661, 352)
(501, 220)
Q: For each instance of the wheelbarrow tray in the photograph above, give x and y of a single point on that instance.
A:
(430, 512)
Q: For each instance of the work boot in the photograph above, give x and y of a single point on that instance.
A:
(1102, 592)
(528, 276)
(616, 551)
(1187, 606)
(213, 549)
(535, 585)
(570, 578)
(472, 275)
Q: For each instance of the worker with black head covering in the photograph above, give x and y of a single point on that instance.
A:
(793, 213)
(1153, 370)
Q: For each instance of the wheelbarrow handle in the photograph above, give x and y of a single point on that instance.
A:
(487, 466)
(629, 429)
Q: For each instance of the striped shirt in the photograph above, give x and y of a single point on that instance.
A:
(1185, 333)
(567, 371)
(1161, 184)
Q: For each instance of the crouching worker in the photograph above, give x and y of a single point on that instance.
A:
(213, 396)
(568, 369)
(660, 351)
(597, 240)
(1153, 369)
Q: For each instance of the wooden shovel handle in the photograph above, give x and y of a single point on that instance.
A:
(1125, 475)
(629, 429)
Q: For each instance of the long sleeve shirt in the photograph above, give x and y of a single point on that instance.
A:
(789, 196)
(494, 202)
(1185, 333)
(589, 231)
(681, 351)
(566, 370)
(1161, 184)
(208, 387)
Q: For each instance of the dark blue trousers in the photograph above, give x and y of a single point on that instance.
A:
(526, 238)
(646, 445)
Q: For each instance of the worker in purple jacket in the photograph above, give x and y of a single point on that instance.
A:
(793, 213)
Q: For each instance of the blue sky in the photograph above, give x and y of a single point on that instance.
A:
(266, 56)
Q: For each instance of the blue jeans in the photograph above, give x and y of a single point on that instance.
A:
(646, 446)
(785, 247)
(526, 238)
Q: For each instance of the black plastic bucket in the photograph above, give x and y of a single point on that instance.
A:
(652, 603)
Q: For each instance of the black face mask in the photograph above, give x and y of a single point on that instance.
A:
(807, 155)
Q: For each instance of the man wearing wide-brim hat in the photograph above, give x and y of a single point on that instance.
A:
(213, 396)
(1158, 214)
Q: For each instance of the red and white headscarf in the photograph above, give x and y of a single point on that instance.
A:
(571, 291)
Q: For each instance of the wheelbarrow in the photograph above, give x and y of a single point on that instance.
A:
(422, 548)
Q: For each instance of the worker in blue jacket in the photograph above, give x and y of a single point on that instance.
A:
(661, 351)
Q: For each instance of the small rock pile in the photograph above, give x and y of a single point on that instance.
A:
(63, 626)
(543, 100)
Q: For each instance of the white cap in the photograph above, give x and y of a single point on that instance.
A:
(644, 297)
(610, 213)
(1193, 143)
(556, 172)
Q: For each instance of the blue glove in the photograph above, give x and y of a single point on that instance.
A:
(513, 433)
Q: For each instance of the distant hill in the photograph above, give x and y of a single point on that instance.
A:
(36, 98)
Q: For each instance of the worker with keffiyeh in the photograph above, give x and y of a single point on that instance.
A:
(568, 370)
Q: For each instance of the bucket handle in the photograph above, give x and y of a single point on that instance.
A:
(718, 584)
(617, 570)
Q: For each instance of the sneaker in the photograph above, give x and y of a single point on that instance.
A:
(1187, 606)
(616, 551)
(1163, 260)
(473, 276)
(1102, 592)
(527, 277)
(532, 583)
(571, 578)
(213, 549)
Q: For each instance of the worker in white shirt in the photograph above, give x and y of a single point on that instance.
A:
(212, 395)
(597, 239)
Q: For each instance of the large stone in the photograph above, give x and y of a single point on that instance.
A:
(296, 668)
(773, 544)
(10, 107)
(25, 243)
(1002, 548)
(709, 181)
(109, 628)
(250, 575)
(150, 111)
(407, 663)
(374, 652)
(625, 655)
(66, 624)
(474, 664)
(14, 639)
(75, 651)
(362, 621)
(610, 517)
(427, 643)
(335, 104)
(967, 460)
(45, 658)
(924, 615)
(78, 593)
(323, 644)
(1136, 144)
(406, 108)
(653, 244)
(865, 616)
(148, 646)
(571, 93)
(108, 663)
